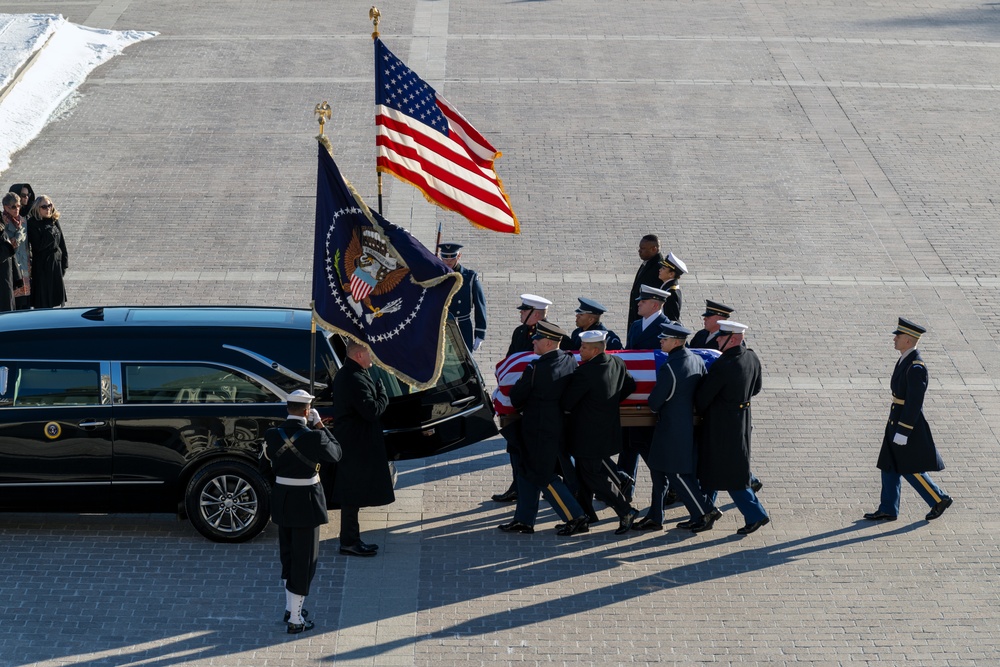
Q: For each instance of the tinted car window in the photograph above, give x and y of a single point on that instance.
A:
(190, 383)
(30, 383)
(454, 370)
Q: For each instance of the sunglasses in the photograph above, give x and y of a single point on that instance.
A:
(46, 206)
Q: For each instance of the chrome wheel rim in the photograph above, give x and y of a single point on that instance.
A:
(228, 503)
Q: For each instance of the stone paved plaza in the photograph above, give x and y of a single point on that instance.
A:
(823, 166)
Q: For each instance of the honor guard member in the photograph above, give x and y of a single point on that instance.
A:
(469, 303)
(673, 456)
(907, 447)
(592, 399)
(707, 338)
(722, 399)
(648, 273)
(533, 310)
(644, 334)
(536, 396)
(298, 504)
(671, 270)
(588, 318)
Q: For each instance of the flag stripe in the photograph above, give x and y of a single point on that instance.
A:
(477, 143)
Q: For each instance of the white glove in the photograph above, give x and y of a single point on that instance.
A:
(313, 417)
(899, 439)
(476, 344)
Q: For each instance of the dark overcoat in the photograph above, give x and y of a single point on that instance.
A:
(592, 399)
(362, 478)
(611, 342)
(520, 340)
(672, 306)
(299, 506)
(49, 262)
(723, 401)
(645, 339)
(700, 341)
(648, 274)
(906, 416)
(468, 306)
(536, 395)
(8, 270)
(672, 399)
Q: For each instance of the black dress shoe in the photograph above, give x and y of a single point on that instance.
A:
(288, 615)
(296, 628)
(369, 547)
(358, 550)
(508, 496)
(939, 509)
(647, 524)
(706, 523)
(716, 514)
(625, 524)
(751, 527)
(756, 485)
(577, 525)
(516, 527)
(670, 498)
(688, 525)
(881, 516)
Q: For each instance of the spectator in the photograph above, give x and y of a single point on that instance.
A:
(17, 230)
(9, 273)
(49, 259)
(27, 195)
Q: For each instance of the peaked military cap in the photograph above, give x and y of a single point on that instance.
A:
(595, 336)
(450, 250)
(590, 307)
(671, 261)
(300, 396)
(546, 329)
(655, 293)
(674, 330)
(909, 328)
(729, 326)
(533, 302)
(716, 308)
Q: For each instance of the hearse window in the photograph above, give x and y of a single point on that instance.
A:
(29, 383)
(190, 383)
(453, 371)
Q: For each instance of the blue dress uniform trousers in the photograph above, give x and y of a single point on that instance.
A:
(688, 490)
(921, 481)
(556, 494)
(746, 502)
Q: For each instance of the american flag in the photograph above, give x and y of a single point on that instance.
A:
(425, 141)
(642, 364)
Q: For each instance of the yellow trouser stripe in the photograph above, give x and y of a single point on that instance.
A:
(562, 505)
(927, 487)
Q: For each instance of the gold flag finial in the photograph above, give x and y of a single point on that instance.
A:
(324, 112)
(375, 16)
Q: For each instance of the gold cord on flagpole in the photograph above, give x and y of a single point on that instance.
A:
(375, 16)
(325, 113)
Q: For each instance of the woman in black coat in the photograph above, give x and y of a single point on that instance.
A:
(27, 195)
(49, 259)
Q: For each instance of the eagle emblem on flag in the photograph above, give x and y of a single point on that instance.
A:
(375, 273)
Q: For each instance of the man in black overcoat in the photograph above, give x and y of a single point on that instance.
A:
(592, 400)
(588, 318)
(722, 399)
(908, 448)
(298, 504)
(536, 396)
(363, 478)
(648, 273)
(673, 456)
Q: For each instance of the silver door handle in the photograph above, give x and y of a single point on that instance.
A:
(462, 401)
(91, 424)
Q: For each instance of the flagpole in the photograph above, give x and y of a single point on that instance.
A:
(437, 246)
(312, 349)
(374, 15)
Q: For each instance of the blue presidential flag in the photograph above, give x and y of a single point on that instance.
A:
(377, 284)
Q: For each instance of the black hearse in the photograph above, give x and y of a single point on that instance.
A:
(163, 409)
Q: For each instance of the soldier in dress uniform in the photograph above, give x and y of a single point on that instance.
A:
(588, 318)
(907, 447)
(533, 310)
(714, 313)
(648, 273)
(536, 395)
(673, 455)
(722, 399)
(671, 270)
(592, 399)
(469, 303)
(298, 504)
